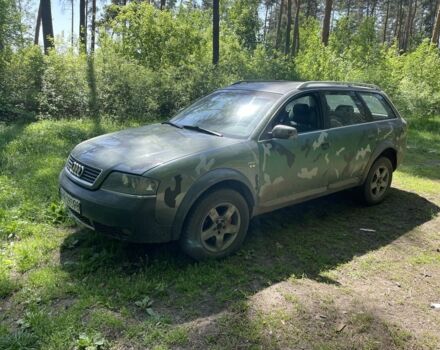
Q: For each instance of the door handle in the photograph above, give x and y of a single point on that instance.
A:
(325, 145)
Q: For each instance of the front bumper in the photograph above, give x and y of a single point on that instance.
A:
(120, 216)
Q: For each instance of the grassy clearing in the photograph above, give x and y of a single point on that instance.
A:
(307, 277)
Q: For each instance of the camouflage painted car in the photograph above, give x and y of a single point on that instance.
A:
(247, 149)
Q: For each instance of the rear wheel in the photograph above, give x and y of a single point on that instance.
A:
(216, 225)
(378, 181)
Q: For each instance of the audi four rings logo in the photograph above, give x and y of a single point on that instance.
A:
(76, 169)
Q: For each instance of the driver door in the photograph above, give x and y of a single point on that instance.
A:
(292, 169)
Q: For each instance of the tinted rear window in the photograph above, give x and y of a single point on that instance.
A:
(378, 107)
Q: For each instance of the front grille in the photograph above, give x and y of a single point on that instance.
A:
(89, 174)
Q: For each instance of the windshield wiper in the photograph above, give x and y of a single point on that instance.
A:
(172, 124)
(199, 129)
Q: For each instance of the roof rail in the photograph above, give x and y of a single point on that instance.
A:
(256, 81)
(307, 84)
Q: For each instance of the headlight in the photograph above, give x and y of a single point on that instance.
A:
(130, 184)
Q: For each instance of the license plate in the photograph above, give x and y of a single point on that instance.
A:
(70, 201)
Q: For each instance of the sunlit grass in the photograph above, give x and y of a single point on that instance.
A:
(57, 283)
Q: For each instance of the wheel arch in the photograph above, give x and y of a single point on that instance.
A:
(215, 179)
(386, 149)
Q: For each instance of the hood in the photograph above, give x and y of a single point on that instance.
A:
(137, 150)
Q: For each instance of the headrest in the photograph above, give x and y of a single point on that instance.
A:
(300, 109)
(301, 113)
(344, 109)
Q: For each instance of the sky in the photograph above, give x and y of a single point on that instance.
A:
(61, 18)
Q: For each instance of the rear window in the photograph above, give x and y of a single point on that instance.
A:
(378, 107)
(344, 108)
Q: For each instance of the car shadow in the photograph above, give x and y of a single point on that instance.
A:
(305, 240)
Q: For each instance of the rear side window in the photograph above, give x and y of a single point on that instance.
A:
(377, 106)
(343, 108)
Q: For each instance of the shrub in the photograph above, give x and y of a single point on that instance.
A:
(21, 83)
(151, 63)
(64, 91)
(419, 87)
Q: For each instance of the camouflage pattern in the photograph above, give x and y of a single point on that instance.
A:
(277, 172)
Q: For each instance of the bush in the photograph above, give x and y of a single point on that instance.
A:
(21, 83)
(64, 91)
(151, 63)
(419, 86)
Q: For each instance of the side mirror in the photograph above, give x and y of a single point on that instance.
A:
(284, 132)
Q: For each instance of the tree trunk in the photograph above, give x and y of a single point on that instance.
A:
(288, 27)
(411, 25)
(163, 4)
(280, 20)
(436, 30)
(82, 26)
(398, 30)
(38, 26)
(92, 36)
(295, 45)
(326, 22)
(215, 31)
(434, 7)
(373, 7)
(265, 22)
(348, 7)
(46, 21)
(405, 37)
(385, 24)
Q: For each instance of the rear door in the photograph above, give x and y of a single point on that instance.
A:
(352, 137)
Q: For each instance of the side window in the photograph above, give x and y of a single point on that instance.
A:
(343, 108)
(301, 113)
(377, 105)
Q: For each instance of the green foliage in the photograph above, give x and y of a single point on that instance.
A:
(151, 63)
(243, 20)
(21, 83)
(10, 24)
(64, 90)
(157, 38)
(420, 80)
(90, 342)
(355, 54)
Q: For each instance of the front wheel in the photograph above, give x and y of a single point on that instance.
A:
(378, 181)
(216, 225)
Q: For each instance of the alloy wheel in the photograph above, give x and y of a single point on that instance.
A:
(220, 227)
(379, 181)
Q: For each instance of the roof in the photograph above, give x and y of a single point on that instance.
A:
(283, 87)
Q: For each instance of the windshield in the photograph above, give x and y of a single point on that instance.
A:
(231, 113)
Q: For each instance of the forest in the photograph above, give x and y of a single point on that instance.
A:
(146, 60)
(328, 274)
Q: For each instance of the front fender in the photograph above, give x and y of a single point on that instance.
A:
(205, 182)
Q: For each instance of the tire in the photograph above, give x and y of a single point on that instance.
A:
(378, 182)
(216, 225)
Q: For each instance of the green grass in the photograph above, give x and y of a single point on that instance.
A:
(302, 272)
